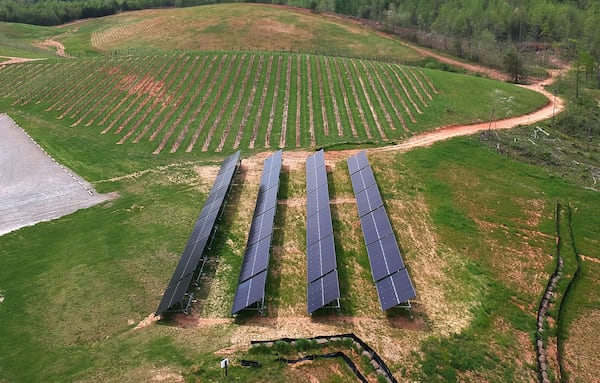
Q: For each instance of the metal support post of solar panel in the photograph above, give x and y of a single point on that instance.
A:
(323, 289)
(394, 286)
(250, 293)
(177, 297)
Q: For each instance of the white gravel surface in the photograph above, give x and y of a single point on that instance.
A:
(33, 186)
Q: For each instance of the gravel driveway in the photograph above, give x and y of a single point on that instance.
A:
(33, 187)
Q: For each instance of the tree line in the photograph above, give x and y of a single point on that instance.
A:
(502, 20)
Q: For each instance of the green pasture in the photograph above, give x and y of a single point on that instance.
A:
(75, 299)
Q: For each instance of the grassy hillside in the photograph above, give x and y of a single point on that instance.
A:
(17, 40)
(150, 123)
(214, 27)
(476, 229)
(203, 104)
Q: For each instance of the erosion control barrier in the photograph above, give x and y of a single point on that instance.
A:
(376, 361)
(338, 354)
(542, 361)
(562, 332)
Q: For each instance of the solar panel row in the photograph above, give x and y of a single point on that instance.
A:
(253, 274)
(387, 267)
(201, 233)
(323, 284)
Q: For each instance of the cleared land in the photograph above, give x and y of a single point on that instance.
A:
(476, 227)
(33, 187)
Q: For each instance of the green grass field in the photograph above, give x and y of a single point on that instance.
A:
(200, 102)
(476, 227)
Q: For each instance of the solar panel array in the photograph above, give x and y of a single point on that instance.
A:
(253, 274)
(387, 267)
(201, 234)
(323, 284)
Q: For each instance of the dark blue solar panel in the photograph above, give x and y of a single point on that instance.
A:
(362, 179)
(256, 258)
(253, 273)
(200, 236)
(369, 229)
(315, 161)
(250, 292)
(230, 162)
(357, 162)
(318, 226)
(384, 228)
(323, 291)
(368, 200)
(174, 294)
(321, 258)
(316, 179)
(387, 266)
(269, 180)
(318, 201)
(262, 226)
(384, 257)
(323, 285)
(395, 289)
(266, 201)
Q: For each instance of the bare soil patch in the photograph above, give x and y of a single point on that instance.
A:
(582, 349)
(33, 186)
(53, 44)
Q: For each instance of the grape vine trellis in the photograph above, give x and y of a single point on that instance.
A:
(210, 101)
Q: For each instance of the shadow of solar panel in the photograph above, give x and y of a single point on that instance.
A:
(357, 162)
(323, 291)
(250, 292)
(395, 289)
(368, 200)
(320, 258)
(256, 258)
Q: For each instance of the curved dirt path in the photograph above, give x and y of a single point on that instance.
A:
(16, 60)
(60, 48)
(554, 106)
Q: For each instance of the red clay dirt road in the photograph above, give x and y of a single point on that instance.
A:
(554, 106)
